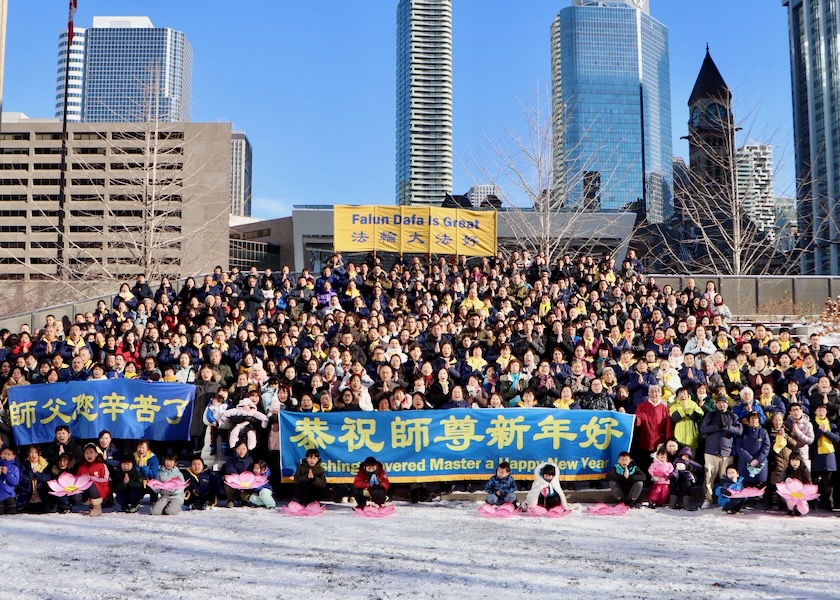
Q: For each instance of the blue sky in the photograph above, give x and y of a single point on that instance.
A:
(313, 83)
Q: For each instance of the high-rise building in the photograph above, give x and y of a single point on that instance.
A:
(754, 176)
(815, 63)
(135, 72)
(424, 101)
(478, 194)
(76, 77)
(240, 175)
(611, 103)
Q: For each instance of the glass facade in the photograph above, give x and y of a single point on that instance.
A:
(815, 73)
(424, 101)
(76, 77)
(135, 72)
(612, 108)
(240, 175)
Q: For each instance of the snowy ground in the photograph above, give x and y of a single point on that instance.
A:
(424, 551)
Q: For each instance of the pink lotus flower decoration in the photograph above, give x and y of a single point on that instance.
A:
(552, 513)
(748, 492)
(371, 510)
(246, 481)
(607, 510)
(502, 511)
(797, 494)
(170, 485)
(68, 484)
(310, 510)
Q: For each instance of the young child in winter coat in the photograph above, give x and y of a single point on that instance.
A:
(796, 470)
(310, 479)
(128, 485)
(683, 478)
(94, 467)
(626, 480)
(660, 474)
(170, 501)
(9, 479)
(501, 488)
(371, 483)
(202, 486)
(61, 504)
(264, 495)
(546, 490)
(724, 490)
(212, 418)
(33, 491)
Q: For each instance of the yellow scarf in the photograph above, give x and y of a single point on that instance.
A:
(142, 460)
(779, 444)
(824, 445)
(765, 401)
(559, 403)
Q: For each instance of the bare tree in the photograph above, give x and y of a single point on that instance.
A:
(547, 189)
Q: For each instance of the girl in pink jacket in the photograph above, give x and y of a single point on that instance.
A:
(660, 473)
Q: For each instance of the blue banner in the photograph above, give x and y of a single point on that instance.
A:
(441, 445)
(129, 409)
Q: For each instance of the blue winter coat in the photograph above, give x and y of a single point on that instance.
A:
(752, 444)
(10, 480)
(151, 468)
(720, 431)
(236, 465)
(824, 462)
(506, 485)
(727, 484)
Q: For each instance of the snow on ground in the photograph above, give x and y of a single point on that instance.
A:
(424, 551)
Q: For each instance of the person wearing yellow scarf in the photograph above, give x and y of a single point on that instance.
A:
(824, 461)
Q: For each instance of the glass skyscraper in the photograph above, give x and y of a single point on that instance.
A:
(424, 101)
(240, 174)
(136, 72)
(815, 71)
(611, 99)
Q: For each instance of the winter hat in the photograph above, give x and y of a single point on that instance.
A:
(247, 403)
(685, 450)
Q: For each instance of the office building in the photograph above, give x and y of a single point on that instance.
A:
(75, 78)
(815, 64)
(479, 194)
(754, 176)
(135, 72)
(117, 221)
(611, 103)
(240, 175)
(424, 101)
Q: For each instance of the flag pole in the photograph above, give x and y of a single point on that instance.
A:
(3, 16)
(62, 178)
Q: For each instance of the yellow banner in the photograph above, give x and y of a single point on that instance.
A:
(414, 230)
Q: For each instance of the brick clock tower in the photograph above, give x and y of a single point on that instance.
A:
(711, 130)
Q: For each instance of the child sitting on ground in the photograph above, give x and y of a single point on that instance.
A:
(170, 501)
(9, 478)
(310, 479)
(683, 478)
(660, 473)
(95, 468)
(501, 488)
(202, 486)
(724, 490)
(128, 485)
(546, 490)
(626, 480)
(796, 469)
(60, 503)
(263, 495)
(371, 483)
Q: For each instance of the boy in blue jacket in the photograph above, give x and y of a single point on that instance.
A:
(724, 490)
(202, 486)
(501, 488)
(9, 478)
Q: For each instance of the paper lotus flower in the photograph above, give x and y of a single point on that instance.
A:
(797, 494)
(371, 510)
(551, 513)
(748, 492)
(499, 512)
(170, 485)
(68, 484)
(609, 511)
(246, 481)
(310, 510)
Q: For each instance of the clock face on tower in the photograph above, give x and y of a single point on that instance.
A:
(695, 116)
(717, 113)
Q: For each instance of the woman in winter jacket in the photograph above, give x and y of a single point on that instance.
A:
(32, 487)
(801, 430)
(685, 418)
(823, 459)
(752, 448)
(781, 445)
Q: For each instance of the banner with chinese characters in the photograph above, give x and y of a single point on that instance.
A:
(442, 445)
(415, 230)
(127, 408)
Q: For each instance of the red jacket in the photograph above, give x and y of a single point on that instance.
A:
(98, 473)
(362, 480)
(653, 425)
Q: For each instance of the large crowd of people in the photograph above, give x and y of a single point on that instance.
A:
(495, 332)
